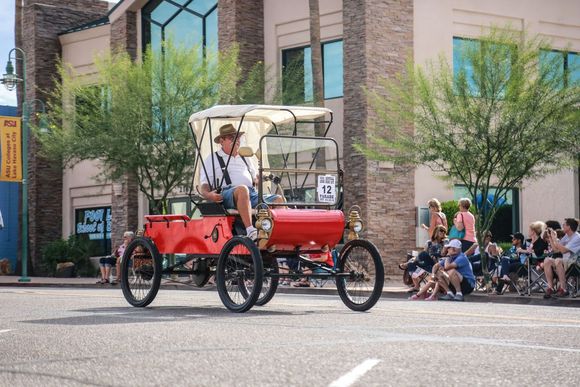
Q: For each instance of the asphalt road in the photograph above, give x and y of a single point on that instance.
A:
(73, 337)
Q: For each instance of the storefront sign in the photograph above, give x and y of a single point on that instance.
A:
(10, 149)
(94, 222)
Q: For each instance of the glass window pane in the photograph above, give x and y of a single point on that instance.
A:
(308, 85)
(552, 64)
(211, 32)
(332, 69)
(201, 6)
(185, 30)
(461, 62)
(155, 38)
(163, 12)
(574, 69)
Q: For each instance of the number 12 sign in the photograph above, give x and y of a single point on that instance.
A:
(326, 189)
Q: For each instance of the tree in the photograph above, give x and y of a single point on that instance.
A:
(317, 82)
(133, 117)
(508, 116)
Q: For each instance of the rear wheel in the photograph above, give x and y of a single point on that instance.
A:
(361, 290)
(239, 274)
(141, 272)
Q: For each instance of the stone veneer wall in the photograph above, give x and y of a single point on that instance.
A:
(37, 35)
(242, 22)
(378, 37)
(125, 192)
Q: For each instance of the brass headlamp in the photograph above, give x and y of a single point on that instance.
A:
(355, 223)
(265, 225)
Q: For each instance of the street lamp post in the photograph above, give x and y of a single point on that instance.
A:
(11, 80)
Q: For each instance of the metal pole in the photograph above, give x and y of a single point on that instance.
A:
(25, 117)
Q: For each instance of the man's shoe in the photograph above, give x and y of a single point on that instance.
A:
(562, 293)
(447, 297)
(458, 297)
(549, 293)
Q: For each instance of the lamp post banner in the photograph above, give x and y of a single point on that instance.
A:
(10, 149)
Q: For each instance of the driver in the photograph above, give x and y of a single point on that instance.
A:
(237, 188)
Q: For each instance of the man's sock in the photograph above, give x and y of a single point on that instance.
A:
(450, 293)
(249, 229)
(459, 294)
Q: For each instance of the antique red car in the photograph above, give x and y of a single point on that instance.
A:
(292, 162)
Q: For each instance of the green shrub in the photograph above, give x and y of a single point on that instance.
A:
(73, 250)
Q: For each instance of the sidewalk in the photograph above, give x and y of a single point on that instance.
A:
(393, 289)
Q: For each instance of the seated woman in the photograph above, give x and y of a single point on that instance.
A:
(424, 262)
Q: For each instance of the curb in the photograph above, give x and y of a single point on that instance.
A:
(387, 293)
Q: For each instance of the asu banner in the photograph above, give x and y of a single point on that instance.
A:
(10, 149)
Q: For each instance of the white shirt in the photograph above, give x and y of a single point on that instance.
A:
(237, 169)
(1, 220)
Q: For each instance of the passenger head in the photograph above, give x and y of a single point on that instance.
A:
(537, 228)
(553, 224)
(434, 204)
(518, 239)
(439, 233)
(487, 237)
(570, 224)
(453, 247)
(128, 236)
(464, 204)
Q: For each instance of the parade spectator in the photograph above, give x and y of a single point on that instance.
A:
(513, 259)
(569, 247)
(464, 220)
(437, 217)
(106, 263)
(423, 263)
(454, 273)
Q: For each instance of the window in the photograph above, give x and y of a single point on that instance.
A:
(485, 66)
(94, 225)
(562, 66)
(507, 217)
(297, 73)
(192, 23)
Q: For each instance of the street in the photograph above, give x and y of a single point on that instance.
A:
(79, 337)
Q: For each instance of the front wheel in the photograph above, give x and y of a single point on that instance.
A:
(141, 272)
(362, 288)
(239, 274)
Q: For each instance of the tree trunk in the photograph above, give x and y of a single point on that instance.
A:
(317, 82)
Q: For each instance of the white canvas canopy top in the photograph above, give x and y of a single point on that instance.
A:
(258, 120)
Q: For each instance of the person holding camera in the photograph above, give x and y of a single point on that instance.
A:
(564, 253)
(423, 263)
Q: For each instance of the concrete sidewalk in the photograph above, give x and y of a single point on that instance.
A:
(393, 289)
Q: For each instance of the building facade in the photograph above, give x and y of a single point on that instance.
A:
(361, 42)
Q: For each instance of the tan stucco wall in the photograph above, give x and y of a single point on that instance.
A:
(80, 188)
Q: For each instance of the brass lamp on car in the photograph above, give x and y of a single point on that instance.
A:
(265, 225)
(355, 223)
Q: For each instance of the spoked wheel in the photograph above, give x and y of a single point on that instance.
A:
(141, 272)
(239, 274)
(269, 283)
(362, 289)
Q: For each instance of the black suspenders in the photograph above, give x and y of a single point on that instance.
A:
(225, 173)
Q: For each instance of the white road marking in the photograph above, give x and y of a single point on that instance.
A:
(5, 330)
(355, 374)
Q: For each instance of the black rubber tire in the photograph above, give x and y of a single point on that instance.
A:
(269, 284)
(203, 274)
(141, 272)
(364, 287)
(234, 269)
